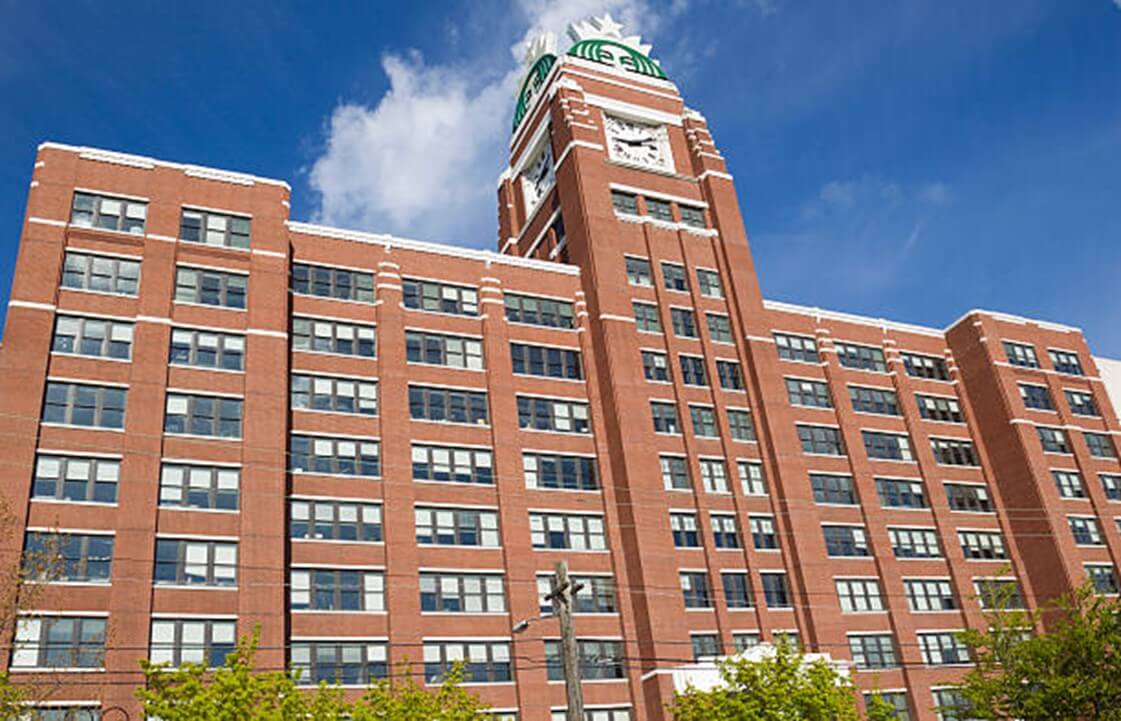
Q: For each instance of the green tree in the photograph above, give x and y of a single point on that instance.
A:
(236, 692)
(1071, 671)
(783, 687)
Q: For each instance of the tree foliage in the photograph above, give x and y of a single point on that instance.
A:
(783, 687)
(236, 692)
(1073, 671)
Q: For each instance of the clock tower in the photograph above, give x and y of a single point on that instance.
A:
(610, 171)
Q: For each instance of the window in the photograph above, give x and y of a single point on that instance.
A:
(599, 660)
(595, 714)
(438, 526)
(725, 534)
(462, 593)
(776, 591)
(1036, 397)
(797, 348)
(900, 493)
(333, 589)
(743, 641)
(1099, 445)
(206, 349)
(860, 357)
(845, 541)
(1111, 486)
(61, 557)
(740, 425)
(706, 646)
(568, 531)
(1085, 530)
(874, 400)
(924, 366)
(833, 489)
(872, 650)
(708, 281)
(1102, 577)
(334, 456)
(654, 366)
(1081, 403)
(691, 216)
(897, 700)
(440, 297)
(942, 649)
(684, 322)
(538, 360)
(673, 274)
(321, 519)
(199, 486)
(659, 209)
(345, 663)
(714, 477)
(737, 590)
(982, 545)
(803, 392)
(822, 440)
(729, 374)
(950, 705)
(719, 329)
(443, 350)
(210, 287)
(334, 395)
(939, 408)
(448, 405)
(56, 712)
(954, 452)
(539, 311)
(646, 317)
(109, 213)
(751, 478)
(201, 641)
(211, 228)
(329, 336)
(665, 417)
(1021, 354)
(624, 202)
(694, 586)
(675, 473)
(186, 562)
(76, 478)
(92, 337)
(998, 593)
(914, 543)
(1054, 440)
(1069, 484)
(100, 273)
(638, 272)
(449, 464)
(78, 404)
(929, 594)
(968, 497)
(596, 594)
(887, 446)
(198, 415)
(1065, 362)
(59, 642)
(556, 471)
(684, 529)
(859, 595)
(704, 421)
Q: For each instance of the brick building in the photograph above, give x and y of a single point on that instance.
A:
(376, 448)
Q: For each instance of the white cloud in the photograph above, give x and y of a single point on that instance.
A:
(1117, 3)
(422, 160)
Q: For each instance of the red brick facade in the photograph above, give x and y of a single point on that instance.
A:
(1007, 488)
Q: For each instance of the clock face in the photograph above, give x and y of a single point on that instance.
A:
(638, 143)
(538, 178)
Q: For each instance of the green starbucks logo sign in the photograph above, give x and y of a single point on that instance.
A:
(616, 54)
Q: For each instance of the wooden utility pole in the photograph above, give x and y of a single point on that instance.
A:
(564, 592)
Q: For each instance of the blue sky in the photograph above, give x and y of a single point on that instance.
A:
(908, 160)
